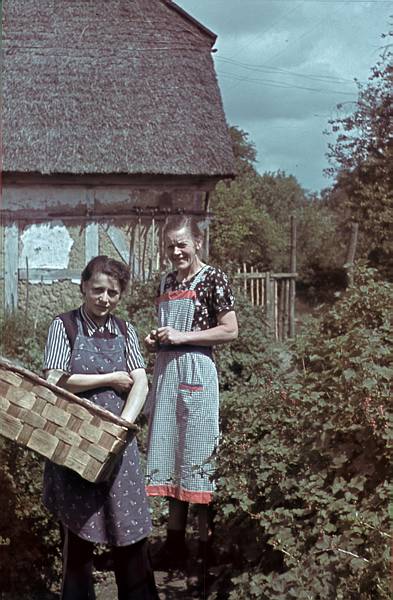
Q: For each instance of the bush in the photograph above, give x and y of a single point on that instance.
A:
(304, 464)
(22, 339)
(31, 537)
(252, 357)
(30, 558)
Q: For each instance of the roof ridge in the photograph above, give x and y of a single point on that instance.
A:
(183, 13)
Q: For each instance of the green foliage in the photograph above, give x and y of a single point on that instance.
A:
(304, 463)
(32, 534)
(251, 358)
(140, 309)
(23, 338)
(31, 562)
(252, 222)
(303, 466)
(362, 161)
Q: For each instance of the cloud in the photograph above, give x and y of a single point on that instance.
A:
(284, 65)
(296, 147)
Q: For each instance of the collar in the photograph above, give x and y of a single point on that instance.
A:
(92, 327)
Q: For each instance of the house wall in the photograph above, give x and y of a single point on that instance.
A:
(50, 231)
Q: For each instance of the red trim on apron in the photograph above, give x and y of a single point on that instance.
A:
(190, 388)
(177, 295)
(174, 491)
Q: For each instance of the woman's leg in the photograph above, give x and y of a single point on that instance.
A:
(134, 573)
(77, 568)
(173, 554)
(205, 522)
(178, 512)
(205, 525)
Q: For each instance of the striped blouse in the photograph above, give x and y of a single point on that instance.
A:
(57, 353)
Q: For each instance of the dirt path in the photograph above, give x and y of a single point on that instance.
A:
(171, 586)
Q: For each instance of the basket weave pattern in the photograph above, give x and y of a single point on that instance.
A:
(70, 431)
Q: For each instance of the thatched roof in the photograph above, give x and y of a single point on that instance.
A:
(110, 86)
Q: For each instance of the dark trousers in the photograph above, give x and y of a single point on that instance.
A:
(132, 567)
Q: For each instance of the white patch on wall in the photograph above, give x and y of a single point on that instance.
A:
(46, 246)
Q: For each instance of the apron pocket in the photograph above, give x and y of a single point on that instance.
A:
(189, 387)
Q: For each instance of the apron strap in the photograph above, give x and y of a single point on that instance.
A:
(193, 284)
(162, 283)
(198, 277)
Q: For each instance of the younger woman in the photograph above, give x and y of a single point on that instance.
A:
(100, 359)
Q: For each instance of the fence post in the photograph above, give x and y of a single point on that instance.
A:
(269, 307)
(292, 285)
(348, 265)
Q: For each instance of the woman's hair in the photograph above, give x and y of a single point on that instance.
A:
(189, 222)
(108, 266)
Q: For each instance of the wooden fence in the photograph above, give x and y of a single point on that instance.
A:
(275, 294)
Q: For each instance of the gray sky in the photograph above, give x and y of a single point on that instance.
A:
(284, 65)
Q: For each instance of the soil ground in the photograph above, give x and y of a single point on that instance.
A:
(171, 585)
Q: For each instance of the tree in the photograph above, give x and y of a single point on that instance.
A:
(362, 161)
(250, 225)
(252, 220)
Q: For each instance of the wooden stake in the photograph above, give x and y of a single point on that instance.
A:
(27, 286)
(286, 309)
(348, 265)
(292, 295)
(269, 305)
(145, 248)
(275, 311)
(281, 331)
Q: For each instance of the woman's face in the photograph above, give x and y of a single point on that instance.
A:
(182, 249)
(102, 294)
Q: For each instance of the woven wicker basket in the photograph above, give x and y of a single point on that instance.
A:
(69, 430)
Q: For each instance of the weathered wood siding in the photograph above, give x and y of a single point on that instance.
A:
(50, 230)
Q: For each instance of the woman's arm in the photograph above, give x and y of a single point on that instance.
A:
(225, 331)
(120, 381)
(137, 396)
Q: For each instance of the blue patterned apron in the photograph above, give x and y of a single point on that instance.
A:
(116, 511)
(183, 408)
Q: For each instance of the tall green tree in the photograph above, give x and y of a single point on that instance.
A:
(362, 161)
(252, 219)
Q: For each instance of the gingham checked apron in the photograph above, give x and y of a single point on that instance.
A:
(183, 408)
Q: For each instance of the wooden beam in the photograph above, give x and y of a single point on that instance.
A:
(123, 248)
(48, 275)
(11, 256)
(91, 241)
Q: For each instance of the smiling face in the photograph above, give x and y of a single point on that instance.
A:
(101, 294)
(182, 251)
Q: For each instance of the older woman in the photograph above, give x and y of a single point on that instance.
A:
(99, 356)
(195, 312)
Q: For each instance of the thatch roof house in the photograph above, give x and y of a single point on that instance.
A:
(114, 86)
(108, 108)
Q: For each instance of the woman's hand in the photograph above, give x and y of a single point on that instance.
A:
(168, 335)
(151, 341)
(120, 381)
